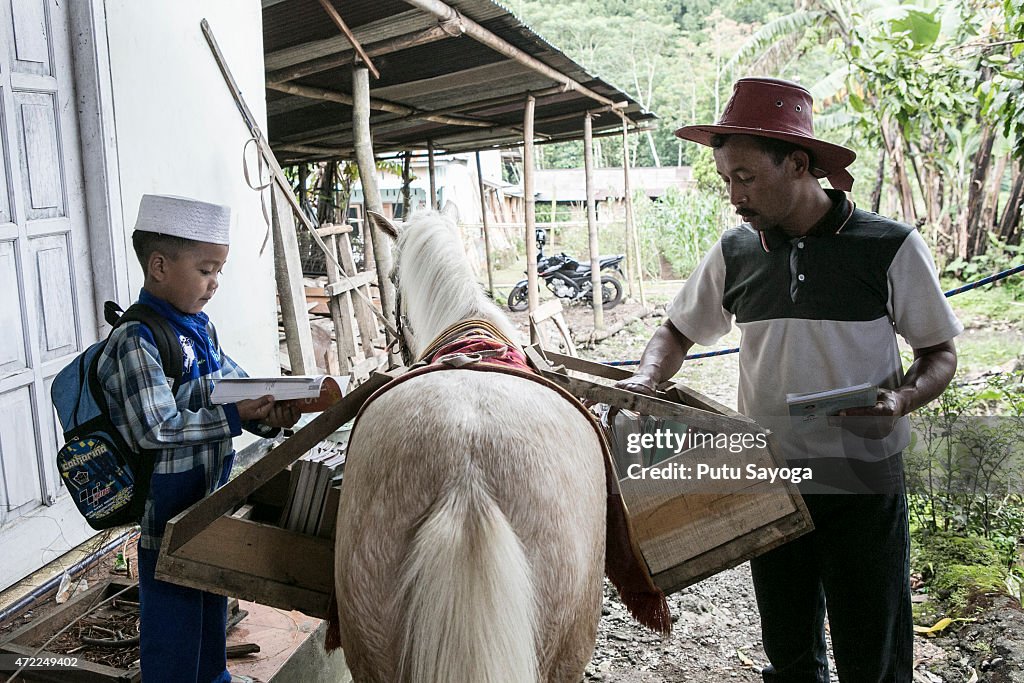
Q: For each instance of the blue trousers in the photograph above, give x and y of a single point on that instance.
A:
(182, 633)
(856, 565)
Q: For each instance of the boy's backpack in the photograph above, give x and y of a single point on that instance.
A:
(107, 479)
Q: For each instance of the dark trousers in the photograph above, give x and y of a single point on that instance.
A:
(856, 563)
(182, 633)
(182, 630)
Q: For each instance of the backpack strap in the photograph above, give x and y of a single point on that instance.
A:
(167, 344)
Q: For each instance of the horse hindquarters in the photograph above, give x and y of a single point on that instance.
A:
(467, 594)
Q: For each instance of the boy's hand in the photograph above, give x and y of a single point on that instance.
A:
(282, 414)
(255, 408)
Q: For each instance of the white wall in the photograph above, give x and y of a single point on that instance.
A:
(179, 132)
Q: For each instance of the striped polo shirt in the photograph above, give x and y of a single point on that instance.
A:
(818, 312)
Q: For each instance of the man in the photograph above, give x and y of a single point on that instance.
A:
(819, 290)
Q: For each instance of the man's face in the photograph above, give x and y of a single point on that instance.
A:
(191, 279)
(762, 191)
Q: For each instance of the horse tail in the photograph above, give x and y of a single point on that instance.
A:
(467, 595)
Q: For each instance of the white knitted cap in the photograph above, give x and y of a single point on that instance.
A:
(184, 217)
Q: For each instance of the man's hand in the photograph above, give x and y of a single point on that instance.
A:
(927, 376)
(255, 408)
(872, 422)
(662, 358)
(283, 414)
(640, 384)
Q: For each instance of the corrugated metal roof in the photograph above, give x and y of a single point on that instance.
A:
(457, 76)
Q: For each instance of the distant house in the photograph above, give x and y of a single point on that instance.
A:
(567, 186)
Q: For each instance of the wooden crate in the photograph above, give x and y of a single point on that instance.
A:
(221, 545)
(689, 529)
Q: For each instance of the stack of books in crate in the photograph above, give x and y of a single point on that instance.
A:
(310, 497)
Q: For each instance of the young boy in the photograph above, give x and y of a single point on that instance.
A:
(182, 245)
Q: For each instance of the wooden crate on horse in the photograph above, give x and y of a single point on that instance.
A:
(707, 510)
(216, 546)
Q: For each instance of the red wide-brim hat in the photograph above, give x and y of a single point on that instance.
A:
(773, 108)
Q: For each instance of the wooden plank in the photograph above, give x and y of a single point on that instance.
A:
(189, 523)
(365, 320)
(588, 366)
(329, 230)
(738, 551)
(83, 672)
(340, 305)
(546, 310)
(353, 282)
(223, 581)
(288, 274)
(647, 405)
(261, 551)
(684, 394)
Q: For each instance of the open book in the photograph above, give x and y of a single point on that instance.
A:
(311, 394)
(809, 411)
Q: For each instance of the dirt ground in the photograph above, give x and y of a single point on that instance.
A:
(716, 635)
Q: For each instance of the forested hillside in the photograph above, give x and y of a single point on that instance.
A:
(930, 94)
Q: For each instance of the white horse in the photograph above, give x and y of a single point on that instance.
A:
(471, 530)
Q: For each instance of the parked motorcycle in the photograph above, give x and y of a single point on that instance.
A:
(569, 279)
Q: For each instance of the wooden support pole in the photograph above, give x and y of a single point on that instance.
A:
(432, 202)
(483, 220)
(288, 273)
(631, 238)
(531, 220)
(595, 254)
(406, 180)
(371, 195)
(303, 179)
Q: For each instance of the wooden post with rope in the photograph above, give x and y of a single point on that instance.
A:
(595, 253)
(483, 221)
(531, 219)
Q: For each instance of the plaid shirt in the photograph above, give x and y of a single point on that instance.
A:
(184, 429)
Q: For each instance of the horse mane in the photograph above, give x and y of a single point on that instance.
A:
(436, 281)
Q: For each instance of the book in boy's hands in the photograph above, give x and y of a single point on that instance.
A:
(310, 394)
(811, 410)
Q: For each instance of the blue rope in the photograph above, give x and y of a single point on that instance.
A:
(959, 290)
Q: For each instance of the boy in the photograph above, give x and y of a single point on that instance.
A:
(182, 245)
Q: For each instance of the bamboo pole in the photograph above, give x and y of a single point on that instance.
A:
(595, 254)
(333, 61)
(343, 27)
(483, 220)
(406, 179)
(431, 171)
(371, 195)
(630, 225)
(407, 113)
(531, 218)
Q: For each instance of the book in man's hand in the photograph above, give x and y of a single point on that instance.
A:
(810, 411)
(310, 394)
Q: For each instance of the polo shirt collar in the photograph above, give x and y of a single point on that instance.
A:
(830, 224)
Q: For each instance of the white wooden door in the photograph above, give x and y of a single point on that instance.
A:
(46, 307)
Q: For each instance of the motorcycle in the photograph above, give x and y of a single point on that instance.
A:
(569, 279)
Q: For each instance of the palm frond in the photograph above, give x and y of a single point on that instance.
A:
(797, 22)
(833, 120)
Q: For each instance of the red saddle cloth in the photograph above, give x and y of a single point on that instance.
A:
(487, 350)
